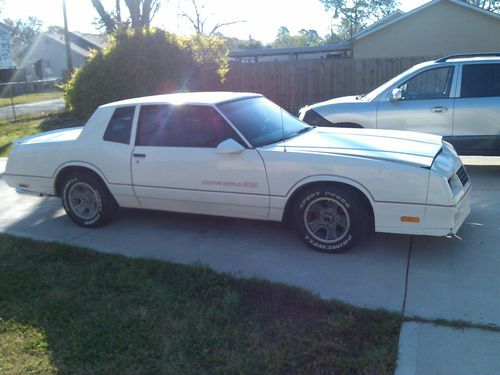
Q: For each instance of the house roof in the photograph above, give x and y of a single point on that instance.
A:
(289, 51)
(399, 16)
(74, 47)
(94, 40)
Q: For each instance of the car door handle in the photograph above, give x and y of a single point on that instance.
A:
(139, 155)
(439, 109)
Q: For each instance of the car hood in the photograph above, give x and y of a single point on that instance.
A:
(395, 146)
(341, 100)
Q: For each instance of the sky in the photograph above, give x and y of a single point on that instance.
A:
(262, 17)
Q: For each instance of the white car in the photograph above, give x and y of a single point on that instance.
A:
(240, 155)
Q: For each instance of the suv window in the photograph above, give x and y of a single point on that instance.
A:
(430, 84)
(480, 80)
(185, 126)
(120, 126)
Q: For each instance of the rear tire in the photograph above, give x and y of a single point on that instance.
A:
(87, 201)
(329, 218)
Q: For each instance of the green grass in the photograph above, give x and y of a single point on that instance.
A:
(31, 98)
(31, 124)
(66, 310)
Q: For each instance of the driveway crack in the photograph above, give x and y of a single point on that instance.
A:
(407, 273)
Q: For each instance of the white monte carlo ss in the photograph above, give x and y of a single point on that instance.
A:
(240, 155)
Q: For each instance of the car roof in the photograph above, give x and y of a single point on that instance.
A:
(204, 98)
(474, 59)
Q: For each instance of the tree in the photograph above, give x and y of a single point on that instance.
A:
(311, 37)
(284, 39)
(198, 19)
(239, 44)
(357, 14)
(490, 5)
(23, 32)
(141, 13)
(55, 29)
(146, 62)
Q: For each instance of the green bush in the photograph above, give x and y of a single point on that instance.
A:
(146, 63)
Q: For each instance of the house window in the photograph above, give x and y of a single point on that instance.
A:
(480, 81)
(120, 126)
(184, 126)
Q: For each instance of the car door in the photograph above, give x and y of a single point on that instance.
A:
(112, 154)
(476, 123)
(425, 104)
(176, 166)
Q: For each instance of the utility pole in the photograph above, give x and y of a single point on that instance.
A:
(69, 58)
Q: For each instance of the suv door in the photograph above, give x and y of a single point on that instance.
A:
(176, 167)
(476, 123)
(425, 106)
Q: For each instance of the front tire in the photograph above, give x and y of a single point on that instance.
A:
(87, 201)
(329, 218)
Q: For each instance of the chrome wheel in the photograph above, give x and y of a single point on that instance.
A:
(83, 200)
(326, 220)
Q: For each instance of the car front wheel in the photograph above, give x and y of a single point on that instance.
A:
(329, 219)
(87, 201)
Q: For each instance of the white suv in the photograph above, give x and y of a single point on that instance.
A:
(457, 97)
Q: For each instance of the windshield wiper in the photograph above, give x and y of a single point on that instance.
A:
(301, 131)
(282, 139)
(359, 97)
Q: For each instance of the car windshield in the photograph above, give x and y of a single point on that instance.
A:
(373, 94)
(261, 121)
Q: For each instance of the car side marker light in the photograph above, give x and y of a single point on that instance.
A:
(410, 219)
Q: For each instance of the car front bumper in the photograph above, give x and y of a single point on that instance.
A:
(434, 220)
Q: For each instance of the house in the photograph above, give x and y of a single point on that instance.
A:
(293, 53)
(438, 28)
(46, 56)
(6, 59)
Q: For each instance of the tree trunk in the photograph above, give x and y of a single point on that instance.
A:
(134, 7)
(106, 18)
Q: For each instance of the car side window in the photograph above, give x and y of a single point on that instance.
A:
(430, 84)
(182, 126)
(480, 81)
(120, 125)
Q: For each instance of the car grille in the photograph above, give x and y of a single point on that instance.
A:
(462, 175)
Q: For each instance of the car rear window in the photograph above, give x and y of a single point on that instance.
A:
(480, 80)
(120, 126)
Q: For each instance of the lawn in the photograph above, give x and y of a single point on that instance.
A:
(32, 98)
(67, 310)
(31, 124)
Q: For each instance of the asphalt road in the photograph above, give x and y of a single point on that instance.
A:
(38, 107)
(425, 277)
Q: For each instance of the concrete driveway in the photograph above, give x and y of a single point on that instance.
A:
(30, 108)
(425, 277)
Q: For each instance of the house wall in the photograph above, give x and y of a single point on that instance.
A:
(54, 55)
(441, 29)
(6, 60)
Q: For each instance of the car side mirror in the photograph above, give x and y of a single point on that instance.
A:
(229, 146)
(396, 95)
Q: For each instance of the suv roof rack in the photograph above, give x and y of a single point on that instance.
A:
(465, 55)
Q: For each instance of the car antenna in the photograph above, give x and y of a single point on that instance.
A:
(282, 129)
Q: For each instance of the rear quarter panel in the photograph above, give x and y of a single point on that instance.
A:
(46, 159)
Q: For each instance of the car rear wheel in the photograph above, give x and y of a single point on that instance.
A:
(87, 201)
(329, 218)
